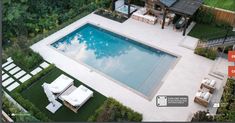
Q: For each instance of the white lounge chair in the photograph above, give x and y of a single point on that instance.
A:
(209, 84)
(77, 98)
(203, 98)
(60, 84)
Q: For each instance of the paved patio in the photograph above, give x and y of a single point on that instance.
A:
(184, 79)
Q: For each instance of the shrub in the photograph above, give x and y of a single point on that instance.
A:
(226, 111)
(208, 53)
(113, 111)
(204, 17)
(26, 59)
(202, 116)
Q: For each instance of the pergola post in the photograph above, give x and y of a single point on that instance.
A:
(129, 8)
(113, 5)
(185, 26)
(164, 17)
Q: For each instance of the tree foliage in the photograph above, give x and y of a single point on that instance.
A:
(32, 17)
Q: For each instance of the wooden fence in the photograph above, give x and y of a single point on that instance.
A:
(222, 15)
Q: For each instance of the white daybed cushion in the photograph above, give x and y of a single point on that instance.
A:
(60, 84)
(78, 96)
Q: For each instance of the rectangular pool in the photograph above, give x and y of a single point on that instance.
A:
(124, 60)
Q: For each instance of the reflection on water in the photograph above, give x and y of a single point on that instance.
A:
(140, 67)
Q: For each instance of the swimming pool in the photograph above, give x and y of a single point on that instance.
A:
(128, 62)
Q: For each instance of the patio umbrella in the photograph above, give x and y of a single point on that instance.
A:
(50, 96)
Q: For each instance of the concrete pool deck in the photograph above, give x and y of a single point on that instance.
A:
(184, 79)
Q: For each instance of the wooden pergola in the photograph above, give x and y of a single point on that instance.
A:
(185, 8)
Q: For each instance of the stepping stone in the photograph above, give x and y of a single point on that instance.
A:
(7, 82)
(13, 71)
(44, 65)
(9, 59)
(18, 75)
(6, 63)
(35, 71)
(12, 86)
(25, 78)
(9, 66)
(4, 76)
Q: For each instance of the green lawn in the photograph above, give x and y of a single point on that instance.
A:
(224, 4)
(36, 95)
(206, 31)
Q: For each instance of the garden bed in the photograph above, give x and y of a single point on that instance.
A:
(206, 52)
(111, 15)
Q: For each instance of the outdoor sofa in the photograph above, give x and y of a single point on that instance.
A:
(203, 98)
(209, 84)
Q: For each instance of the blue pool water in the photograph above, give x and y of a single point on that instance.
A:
(136, 65)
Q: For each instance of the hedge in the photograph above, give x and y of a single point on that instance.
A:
(226, 112)
(26, 59)
(112, 111)
(208, 53)
(26, 103)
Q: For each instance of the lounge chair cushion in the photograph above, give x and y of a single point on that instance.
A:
(206, 96)
(212, 83)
